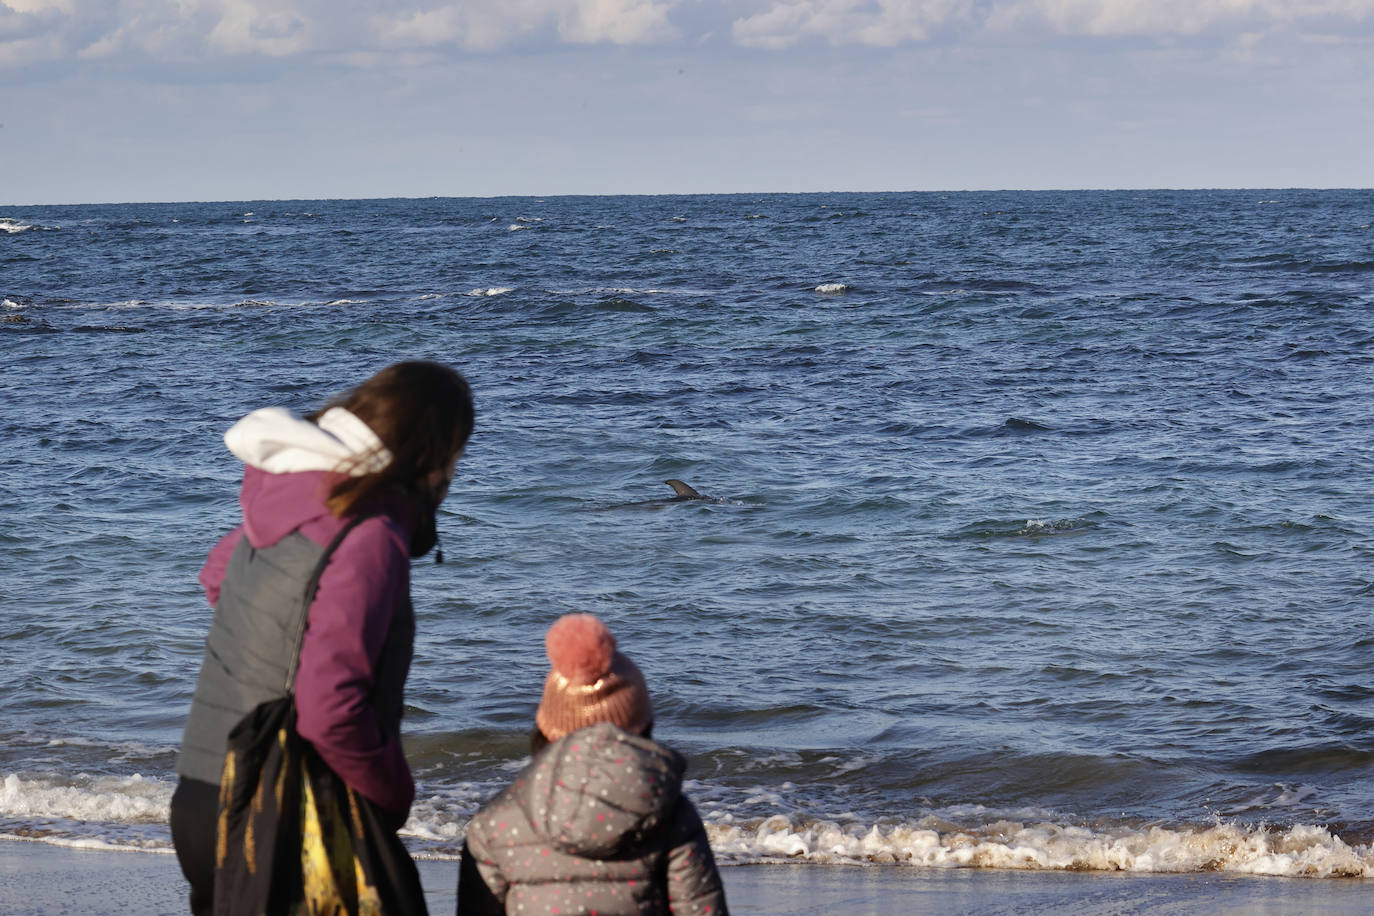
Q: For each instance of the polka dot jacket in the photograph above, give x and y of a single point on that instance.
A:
(596, 824)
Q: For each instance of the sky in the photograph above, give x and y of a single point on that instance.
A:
(166, 100)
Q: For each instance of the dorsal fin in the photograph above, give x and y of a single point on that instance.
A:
(681, 489)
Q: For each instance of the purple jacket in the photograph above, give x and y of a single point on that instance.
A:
(365, 582)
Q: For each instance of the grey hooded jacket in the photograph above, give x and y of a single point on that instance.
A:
(596, 823)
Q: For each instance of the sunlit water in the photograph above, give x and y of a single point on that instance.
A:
(1041, 530)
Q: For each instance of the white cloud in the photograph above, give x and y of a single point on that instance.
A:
(1120, 18)
(883, 23)
(259, 27)
(620, 22)
(492, 25)
(37, 7)
(196, 30)
(191, 30)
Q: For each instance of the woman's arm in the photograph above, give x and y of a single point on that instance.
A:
(359, 592)
(212, 573)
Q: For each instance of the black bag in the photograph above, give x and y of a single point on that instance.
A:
(292, 837)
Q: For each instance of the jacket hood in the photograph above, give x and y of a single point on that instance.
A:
(291, 465)
(274, 505)
(275, 440)
(600, 790)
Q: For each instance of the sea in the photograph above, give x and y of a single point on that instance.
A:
(1039, 530)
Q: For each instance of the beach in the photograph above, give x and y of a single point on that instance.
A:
(38, 878)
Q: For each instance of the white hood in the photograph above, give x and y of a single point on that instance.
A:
(277, 441)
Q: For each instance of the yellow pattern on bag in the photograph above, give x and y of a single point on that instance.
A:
(334, 881)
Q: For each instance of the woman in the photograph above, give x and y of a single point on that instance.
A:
(368, 471)
(597, 823)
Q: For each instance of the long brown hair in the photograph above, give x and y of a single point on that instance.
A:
(423, 413)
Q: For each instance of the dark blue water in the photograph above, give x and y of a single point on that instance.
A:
(1043, 522)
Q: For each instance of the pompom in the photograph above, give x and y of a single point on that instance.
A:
(580, 648)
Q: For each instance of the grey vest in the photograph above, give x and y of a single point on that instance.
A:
(254, 644)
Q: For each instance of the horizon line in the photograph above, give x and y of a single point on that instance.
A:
(566, 195)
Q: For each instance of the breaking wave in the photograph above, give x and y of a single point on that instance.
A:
(1298, 851)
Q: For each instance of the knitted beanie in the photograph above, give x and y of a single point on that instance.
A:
(590, 681)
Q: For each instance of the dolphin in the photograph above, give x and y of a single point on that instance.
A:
(684, 493)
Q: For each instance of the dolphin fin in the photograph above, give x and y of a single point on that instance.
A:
(682, 490)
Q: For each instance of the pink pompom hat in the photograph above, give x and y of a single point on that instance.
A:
(590, 681)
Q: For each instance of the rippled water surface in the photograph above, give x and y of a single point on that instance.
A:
(1041, 530)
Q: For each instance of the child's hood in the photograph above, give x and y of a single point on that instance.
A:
(601, 790)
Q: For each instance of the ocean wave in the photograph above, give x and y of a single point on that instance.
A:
(1299, 851)
(833, 288)
(97, 799)
(1334, 267)
(131, 812)
(1029, 528)
(491, 291)
(13, 226)
(513, 227)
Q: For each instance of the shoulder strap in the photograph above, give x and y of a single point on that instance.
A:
(311, 585)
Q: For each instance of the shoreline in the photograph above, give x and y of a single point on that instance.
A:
(40, 878)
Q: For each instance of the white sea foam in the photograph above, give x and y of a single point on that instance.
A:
(12, 225)
(129, 811)
(11, 304)
(491, 291)
(529, 219)
(1300, 851)
(1284, 797)
(118, 749)
(832, 288)
(98, 799)
(90, 842)
(515, 226)
(427, 296)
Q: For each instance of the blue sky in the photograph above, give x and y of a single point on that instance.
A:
(134, 100)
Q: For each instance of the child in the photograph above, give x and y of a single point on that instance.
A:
(597, 822)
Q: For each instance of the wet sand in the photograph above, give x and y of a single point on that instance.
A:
(36, 878)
